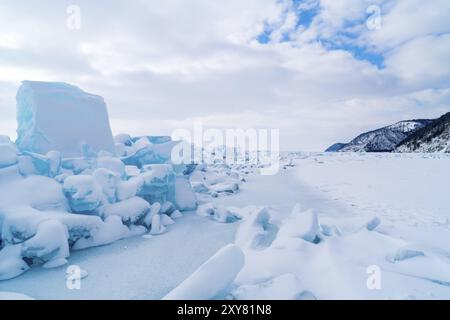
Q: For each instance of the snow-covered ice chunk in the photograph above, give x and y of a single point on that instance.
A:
(213, 278)
(5, 139)
(46, 165)
(154, 210)
(132, 171)
(405, 253)
(158, 173)
(113, 164)
(39, 192)
(26, 166)
(284, 287)
(163, 151)
(157, 226)
(198, 181)
(121, 150)
(301, 224)
(199, 186)
(159, 139)
(176, 214)
(109, 231)
(21, 223)
(55, 263)
(159, 180)
(129, 188)
(166, 220)
(134, 147)
(78, 165)
(206, 210)
(18, 224)
(131, 211)
(49, 244)
(143, 152)
(83, 193)
(184, 199)
(257, 231)
(79, 225)
(215, 180)
(107, 180)
(225, 187)
(124, 139)
(8, 174)
(62, 177)
(306, 295)
(167, 208)
(329, 231)
(224, 215)
(61, 117)
(11, 262)
(220, 214)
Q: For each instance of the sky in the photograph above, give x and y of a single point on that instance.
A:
(320, 71)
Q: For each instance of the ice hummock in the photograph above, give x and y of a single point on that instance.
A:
(62, 117)
(60, 193)
(213, 278)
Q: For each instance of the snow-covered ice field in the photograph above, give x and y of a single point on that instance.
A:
(384, 211)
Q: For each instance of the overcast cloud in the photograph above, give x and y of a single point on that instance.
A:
(311, 68)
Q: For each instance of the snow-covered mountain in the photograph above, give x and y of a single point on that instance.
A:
(381, 140)
(435, 137)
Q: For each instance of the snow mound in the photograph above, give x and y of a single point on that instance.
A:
(23, 191)
(131, 211)
(112, 229)
(184, 198)
(219, 214)
(211, 279)
(83, 193)
(48, 245)
(340, 265)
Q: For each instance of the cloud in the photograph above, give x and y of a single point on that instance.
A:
(163, 64)
(429, 65)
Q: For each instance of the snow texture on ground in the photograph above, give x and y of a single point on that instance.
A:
(384, 210)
